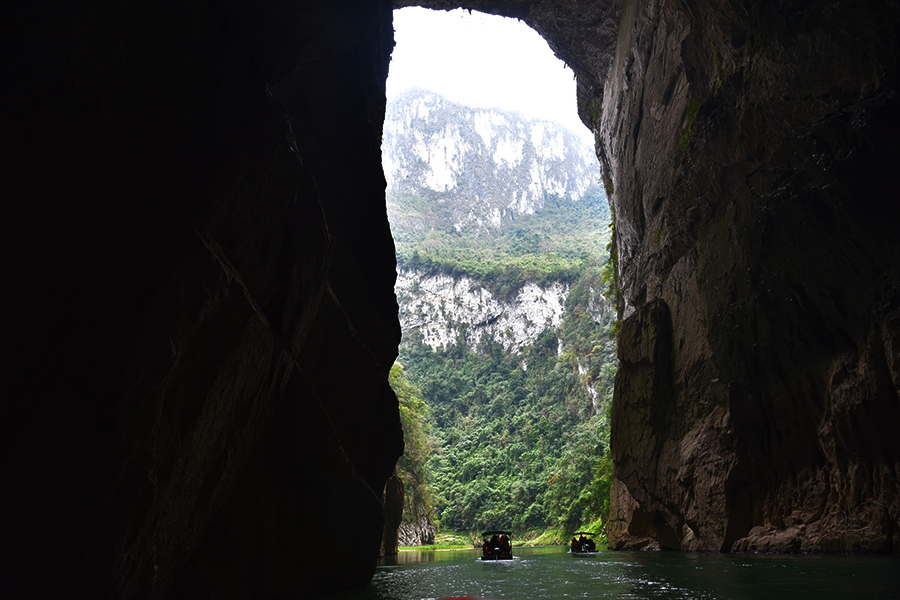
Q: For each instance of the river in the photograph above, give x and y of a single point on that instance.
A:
(550, 572)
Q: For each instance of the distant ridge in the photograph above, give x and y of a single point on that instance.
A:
(486, 165)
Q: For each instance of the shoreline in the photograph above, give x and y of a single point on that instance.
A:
(427, 549)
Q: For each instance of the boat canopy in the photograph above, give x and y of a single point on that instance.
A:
(583, 533)
(487, 533)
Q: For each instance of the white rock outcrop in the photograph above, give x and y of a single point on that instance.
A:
(442, 308)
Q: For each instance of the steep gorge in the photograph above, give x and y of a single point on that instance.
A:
(748, 151)
(506, 366)
(199, 255)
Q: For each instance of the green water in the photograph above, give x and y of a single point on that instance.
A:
(539, 573)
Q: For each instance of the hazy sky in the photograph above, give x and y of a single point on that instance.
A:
(483, 61)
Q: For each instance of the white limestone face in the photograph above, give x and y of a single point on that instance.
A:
(437, 307)
(487, 164)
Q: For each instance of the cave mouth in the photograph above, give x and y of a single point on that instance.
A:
(752, 221)
(485, 187)
(198, 201)
(482, 60)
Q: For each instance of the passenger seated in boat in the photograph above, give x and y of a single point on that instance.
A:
(497, 547)
(575, 545)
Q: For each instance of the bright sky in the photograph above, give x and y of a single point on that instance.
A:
(482, 61)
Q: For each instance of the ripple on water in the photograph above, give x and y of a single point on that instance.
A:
(641, 575)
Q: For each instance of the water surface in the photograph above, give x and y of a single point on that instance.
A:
(550, 572)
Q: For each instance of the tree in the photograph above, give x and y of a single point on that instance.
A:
(418, 506)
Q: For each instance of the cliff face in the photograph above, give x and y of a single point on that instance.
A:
(777, 269)
(747, 149)
(202, 277)
(437, 307)
(759, 270)
(489, 165)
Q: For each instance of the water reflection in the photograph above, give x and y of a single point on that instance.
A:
(551, 573)
(420, 556)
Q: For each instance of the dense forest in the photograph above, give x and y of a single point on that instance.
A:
(498, 438)
(556, 243)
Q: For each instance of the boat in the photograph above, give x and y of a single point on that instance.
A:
(496, 545)
(582, 544)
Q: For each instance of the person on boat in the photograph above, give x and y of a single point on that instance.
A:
(495, 542)
(504, 543)
(590, 546)
(575, 545)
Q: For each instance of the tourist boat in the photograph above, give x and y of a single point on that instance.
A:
(496, 545)
(582, 544)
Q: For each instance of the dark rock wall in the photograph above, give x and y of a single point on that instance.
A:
(750, 149)
(203, 318)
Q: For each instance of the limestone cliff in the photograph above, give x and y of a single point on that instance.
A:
(440, 307)
(485, 167)
(748, 151)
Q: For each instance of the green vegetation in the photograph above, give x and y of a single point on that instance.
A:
(519, 440)
(414, 417)
(448, 540)
(610, 273)
(690, 114)
(717, 62)
(659, 234)
(556, 244)
(516, 448)
(608, 185)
